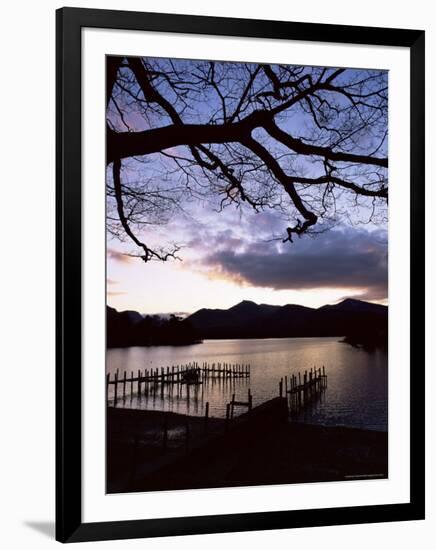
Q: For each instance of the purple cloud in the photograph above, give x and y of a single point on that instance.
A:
(336, 259)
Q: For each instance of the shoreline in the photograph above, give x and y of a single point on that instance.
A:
(203, 340)
(154, 416)
(261, 449)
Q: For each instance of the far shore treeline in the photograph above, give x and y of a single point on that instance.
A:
(361, 324)
(130, 328)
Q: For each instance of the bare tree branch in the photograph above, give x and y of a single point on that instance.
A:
(271, 136)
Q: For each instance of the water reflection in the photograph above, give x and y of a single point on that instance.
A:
(357, 380)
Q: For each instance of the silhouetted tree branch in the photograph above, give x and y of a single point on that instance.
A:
(243, 131)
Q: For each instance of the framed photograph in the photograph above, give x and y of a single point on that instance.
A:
(240, 275)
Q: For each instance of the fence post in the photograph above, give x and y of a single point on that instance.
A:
(116, 389)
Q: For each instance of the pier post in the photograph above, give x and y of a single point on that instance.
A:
(116, 389)
(310, 384)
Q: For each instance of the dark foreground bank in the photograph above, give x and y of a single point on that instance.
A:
(153, 450)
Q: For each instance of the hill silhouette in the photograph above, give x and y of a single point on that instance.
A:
(359, 322)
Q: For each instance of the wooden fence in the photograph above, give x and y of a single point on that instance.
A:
(302, 390)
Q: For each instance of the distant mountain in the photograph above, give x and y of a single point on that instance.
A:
(352, 305)
(356, 320)
(235, 319)
(360, 323)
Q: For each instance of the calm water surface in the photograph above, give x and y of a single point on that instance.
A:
(357, 380)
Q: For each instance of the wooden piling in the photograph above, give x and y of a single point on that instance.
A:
(116, 389)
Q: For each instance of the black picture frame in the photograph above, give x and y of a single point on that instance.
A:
(69, 525)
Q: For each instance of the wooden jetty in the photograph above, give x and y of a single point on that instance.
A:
(153, 381)
(302, 390)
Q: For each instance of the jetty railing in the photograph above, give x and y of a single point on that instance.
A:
(302, 390)
(153, 381)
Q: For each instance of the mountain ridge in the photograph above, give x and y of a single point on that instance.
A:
(360, 323)
(355, 319)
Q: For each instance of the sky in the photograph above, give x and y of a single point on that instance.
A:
(231, 256)
(237, 254)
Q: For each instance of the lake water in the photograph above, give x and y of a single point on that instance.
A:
(357, 389)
